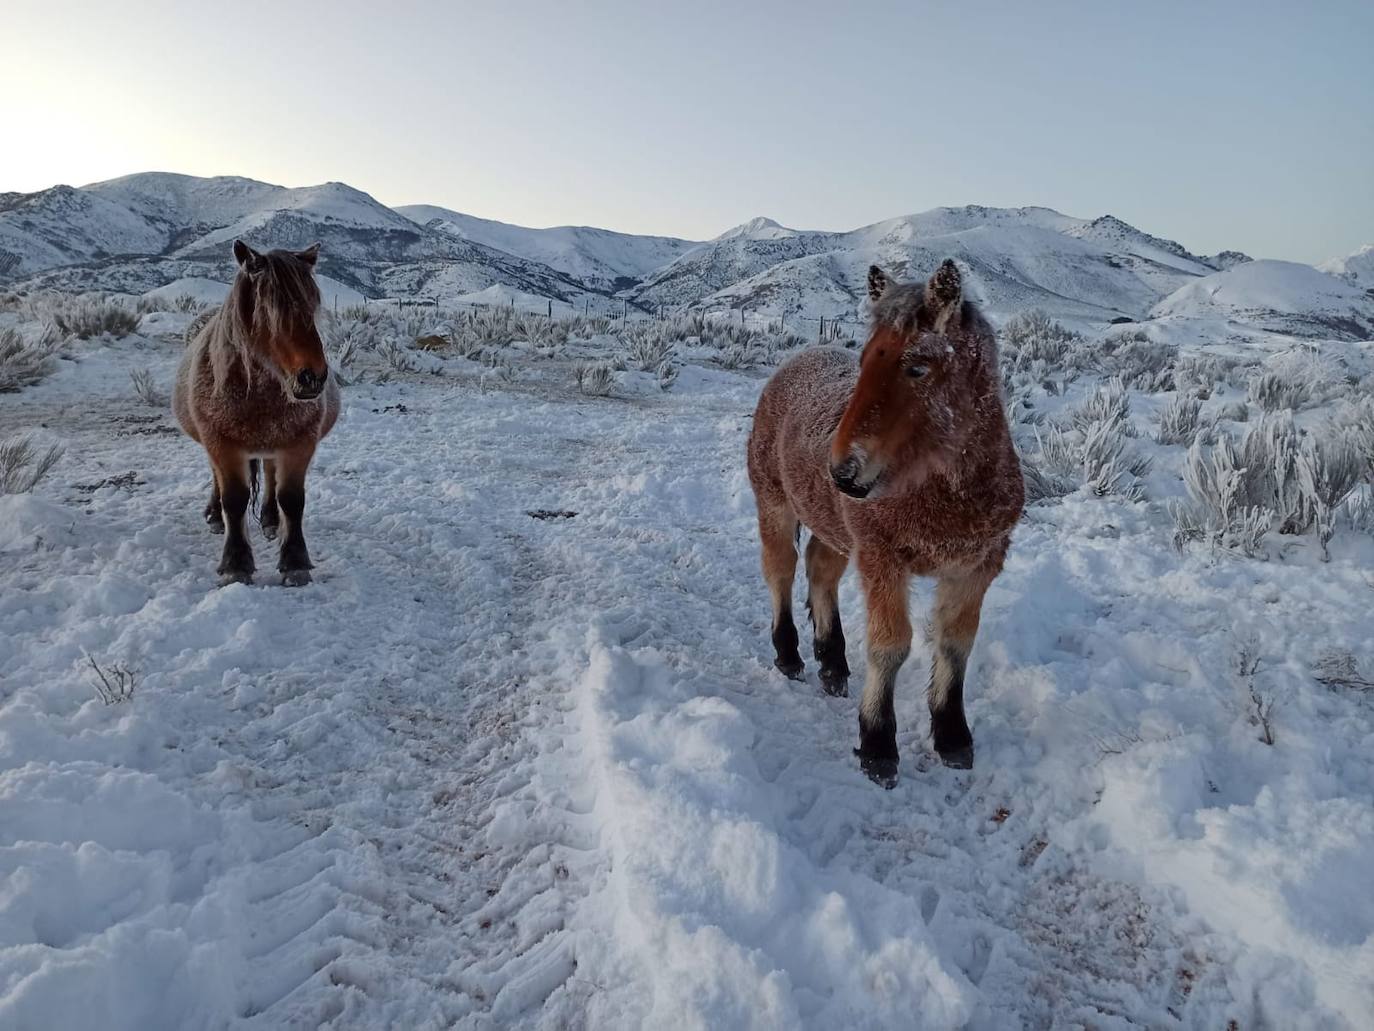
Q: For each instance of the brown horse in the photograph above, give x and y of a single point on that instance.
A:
(253, 385)
(902, 458)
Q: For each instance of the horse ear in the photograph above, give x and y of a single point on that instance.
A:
(249, 260)
(310, 255)
(945, 292)
(879, 282)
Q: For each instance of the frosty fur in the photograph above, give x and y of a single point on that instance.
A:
(903, 461)
(254, 385)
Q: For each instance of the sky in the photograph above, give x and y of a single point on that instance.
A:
(1221, 125)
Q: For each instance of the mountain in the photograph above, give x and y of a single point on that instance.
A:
(1277, 296)
(1356, 268)
(1085, 271)
(160, 231)
(141, 232)
(600, 258)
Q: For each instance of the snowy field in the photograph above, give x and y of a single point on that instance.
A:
(495, 768)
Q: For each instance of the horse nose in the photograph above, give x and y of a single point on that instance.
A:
(846, 475)
(309, 383)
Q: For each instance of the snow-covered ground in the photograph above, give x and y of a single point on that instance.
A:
(503, 765)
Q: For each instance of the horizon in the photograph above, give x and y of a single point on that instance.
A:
(1198, 125)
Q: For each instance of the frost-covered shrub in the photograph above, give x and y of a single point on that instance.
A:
(86, 316)
(1137, 361)
(595, 379)
(145, 389)
(1179, 421)
(666, 374)
(1216, 512)
(186, 303)
(1033, 336)
(22, 363)
(1109, 402)
(23, 465)
(395, 356)
(647, 346)
(1274, 393)
(1097, 454)
(1276, 479)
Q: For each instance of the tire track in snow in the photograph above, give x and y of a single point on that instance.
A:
(1043, 941)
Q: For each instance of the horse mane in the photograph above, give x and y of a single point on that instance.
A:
(279, 297)
(905, 310)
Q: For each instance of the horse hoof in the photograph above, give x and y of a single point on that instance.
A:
(295, 577)
(269, 530)
(881, 770)
(835, 686)
(236, 576)
(792, 671)
(215, 523)
(958, 758)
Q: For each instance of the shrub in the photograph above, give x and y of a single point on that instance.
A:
(594, 378)
(1098, 455)
(23, 465)
(1274, 393)
(145, 389)
(1179, 421)
(23, 364)
(88, 316)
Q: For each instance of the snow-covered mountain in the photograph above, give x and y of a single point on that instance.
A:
(1277, 296)
(144, 232)
(598, 257)
(141, 232)
(1356, 268)
(1082, 270)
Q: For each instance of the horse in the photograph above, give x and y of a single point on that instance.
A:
(902, 459)
(254, 385)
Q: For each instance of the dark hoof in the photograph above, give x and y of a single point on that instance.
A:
(215, 522)
(835, 685)
(791, 670)
(235, 576)
(880, 770)
(958, 758)
(269, 530)
(295, 577)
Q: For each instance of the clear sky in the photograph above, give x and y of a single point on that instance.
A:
(1243, 125)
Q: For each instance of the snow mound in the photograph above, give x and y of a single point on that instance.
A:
(758, 229)
(1281, 296)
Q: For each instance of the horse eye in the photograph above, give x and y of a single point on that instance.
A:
(917, 371)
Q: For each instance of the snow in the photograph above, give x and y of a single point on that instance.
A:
(1281, 295)
(1356, 268)
(596, 256)
(497, 770)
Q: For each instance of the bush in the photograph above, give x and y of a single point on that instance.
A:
(145, 389)
(1276, 479)
(23, 465)
(1274, 393)
(1098, 455)
(1179, 421)
(87, 316)
(23, 364)
(595, 379)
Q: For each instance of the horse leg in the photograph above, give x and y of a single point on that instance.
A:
(958, 604)
(271, 516)
(214, 513)
(824, 567)
(231, 474)
(294, 563)
(778, 537)
(889, 643)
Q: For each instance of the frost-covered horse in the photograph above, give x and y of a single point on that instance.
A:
(903, 459)
(254, 384)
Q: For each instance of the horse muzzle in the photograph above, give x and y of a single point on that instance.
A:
(853, 478)
(309, 384)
